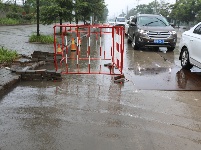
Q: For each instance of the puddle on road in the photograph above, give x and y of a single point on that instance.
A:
(159, 70)
(165, 79)
(144, 70)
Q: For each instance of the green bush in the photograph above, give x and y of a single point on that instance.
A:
(14, 15)
(7, 56)
(8, 21)
(28, 17)
(45, 39)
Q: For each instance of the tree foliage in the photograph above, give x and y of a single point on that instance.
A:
(182, 11)
(153, 7)
(86, 8)
(56, 9)
(67, 10)
(186, 10)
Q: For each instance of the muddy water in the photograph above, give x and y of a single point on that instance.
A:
(87, 112)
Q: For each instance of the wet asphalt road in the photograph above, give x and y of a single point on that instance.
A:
(157, 107)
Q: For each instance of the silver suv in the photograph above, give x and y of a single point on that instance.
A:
(149, 30)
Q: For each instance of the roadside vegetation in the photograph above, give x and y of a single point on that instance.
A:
(7, 56)
(53, 11)
(9, 21)
(13, 14)
(44, 39)
(182, 11)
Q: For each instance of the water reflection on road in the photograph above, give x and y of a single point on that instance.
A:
(87, 112)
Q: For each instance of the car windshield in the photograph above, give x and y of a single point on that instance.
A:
(153, 21)
(120, 20)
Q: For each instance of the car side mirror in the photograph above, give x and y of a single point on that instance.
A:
(172, 24)
(132, 23)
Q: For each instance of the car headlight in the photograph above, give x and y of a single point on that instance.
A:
(142, 31)
(173, 32)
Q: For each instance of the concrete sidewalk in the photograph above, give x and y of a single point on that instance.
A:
(7, 78)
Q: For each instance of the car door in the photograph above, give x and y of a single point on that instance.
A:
(131, 29)
(196, 44)
(126, 26)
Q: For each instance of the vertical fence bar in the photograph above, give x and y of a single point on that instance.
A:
(116, 48)
(89, 49)
(55, 50)
(100, 47)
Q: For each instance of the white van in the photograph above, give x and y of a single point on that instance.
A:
(120, 21)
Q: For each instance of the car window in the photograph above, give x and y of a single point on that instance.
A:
(197, 30)
(152, 21)
(120, 19)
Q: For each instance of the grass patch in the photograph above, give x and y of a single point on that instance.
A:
(7, 56)
(8, 21)
(44, 39)
(64, 33)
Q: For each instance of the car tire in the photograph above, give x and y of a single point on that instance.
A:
(134, 44)
(170, 49)
(185, 63)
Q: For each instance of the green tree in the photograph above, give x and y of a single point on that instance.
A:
(56, 9)
(165, 9)
(186, 10)
(82, 10)
(86, 8)
(145, 9)
(100, 10)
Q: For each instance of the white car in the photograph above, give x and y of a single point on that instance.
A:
(111, 21)
(190, 48)
(127, 24)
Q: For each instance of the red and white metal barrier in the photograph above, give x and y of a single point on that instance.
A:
(84, 47)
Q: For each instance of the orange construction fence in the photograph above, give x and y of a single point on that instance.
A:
(89, 49)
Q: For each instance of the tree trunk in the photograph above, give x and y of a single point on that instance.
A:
(38, 34)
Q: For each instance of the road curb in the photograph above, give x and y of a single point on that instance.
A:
(19, 71)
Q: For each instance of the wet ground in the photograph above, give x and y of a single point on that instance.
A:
(158, 107)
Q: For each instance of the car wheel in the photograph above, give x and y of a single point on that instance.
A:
(134, 45)
(170, 49)
(185, 63)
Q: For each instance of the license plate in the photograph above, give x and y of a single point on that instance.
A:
(159, 41)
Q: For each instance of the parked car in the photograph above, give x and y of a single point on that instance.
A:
(189, 46)
(111, 21)
(127, 24)
(120, 21)
(149, 30)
